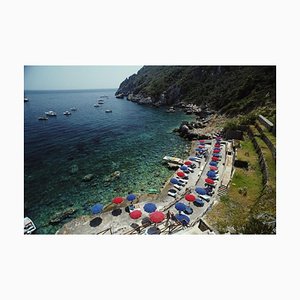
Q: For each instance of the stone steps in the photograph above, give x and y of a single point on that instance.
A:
(222, 190)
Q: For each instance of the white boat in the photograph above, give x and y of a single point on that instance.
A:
(43, 118)
(67, 113)
(50, 113)
(96, 105)
(108, 111)
(26, 99)
(100, 101)
(29, 226)
(73, 108)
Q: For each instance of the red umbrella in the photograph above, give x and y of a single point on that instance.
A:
(201, 146)
(188, 163)
(190, 197)
(217, 145)
(157, 216)
(202, 141)
(216, 151)
(210, 181)
(135, 214)
(180, 174)
(118, 200)
(213, 168)
(214, 158)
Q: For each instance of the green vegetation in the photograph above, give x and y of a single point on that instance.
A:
(267, 133)
(231, 90)
(234, 209)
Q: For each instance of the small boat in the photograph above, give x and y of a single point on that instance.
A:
(73, 108)
(96, 105)
(67, 113)
(108, 111)
(43, 118)
(29, 226)
(170, 110)
(50, 113)
(100, 101)
(26, 99)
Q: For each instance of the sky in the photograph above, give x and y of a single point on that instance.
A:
(75, 77)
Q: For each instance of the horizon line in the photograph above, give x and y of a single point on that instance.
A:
(82, 89)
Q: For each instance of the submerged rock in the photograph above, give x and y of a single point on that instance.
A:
(88, 177)
(57, 218)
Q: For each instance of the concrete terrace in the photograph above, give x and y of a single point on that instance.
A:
(118, 221)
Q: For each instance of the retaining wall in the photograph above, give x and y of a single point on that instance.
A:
(262, 161)
(264, 121)
(267, 141)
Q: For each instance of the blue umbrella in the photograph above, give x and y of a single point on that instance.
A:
(97, 208)
(183, 168)
(192, 158)
(198, 149)
(211, 174)
(213, 163)
(217, 154)
(183, 219)
(174, 181)
(180, 206)
(200, 191)
(150, 207)
(217, 148)
(131, 197)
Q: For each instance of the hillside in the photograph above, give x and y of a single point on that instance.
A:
(229, 90)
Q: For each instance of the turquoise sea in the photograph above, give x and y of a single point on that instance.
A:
(59, 152)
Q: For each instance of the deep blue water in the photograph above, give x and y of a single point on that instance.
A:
(59, 152)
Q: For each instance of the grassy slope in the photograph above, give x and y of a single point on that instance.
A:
(234, 209)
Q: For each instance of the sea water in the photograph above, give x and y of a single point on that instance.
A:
(59, 152)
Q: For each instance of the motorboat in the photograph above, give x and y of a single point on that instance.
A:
(170, 110)
(73, 108)
(43, 118)
(50, 113)
(96, 105)
(29, 226)
(26, 99)
(67, 113)
(100, 101)
(108, 111)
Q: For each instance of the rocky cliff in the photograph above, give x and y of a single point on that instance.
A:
(227, 89)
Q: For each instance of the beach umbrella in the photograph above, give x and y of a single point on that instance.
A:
(217, 145)
(217, 150)
(180, 174)
(199, 150)
(157, 217)
(187, 163)
(201, 146)
(183, 219)
(183, 168)
(131, 197)
(149, 207)
(216, 155)
(117, 200)
(180, 206)
(190, 198)
(200, 191)
(215, 158)
(209, 181)
(218, 138)
(211, 174)
(202, 141)
(174, 181)
(192, 158)
(213, 163)
(135, 214)
(97, 208)
(213, 168)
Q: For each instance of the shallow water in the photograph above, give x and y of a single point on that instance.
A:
(59, 152)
